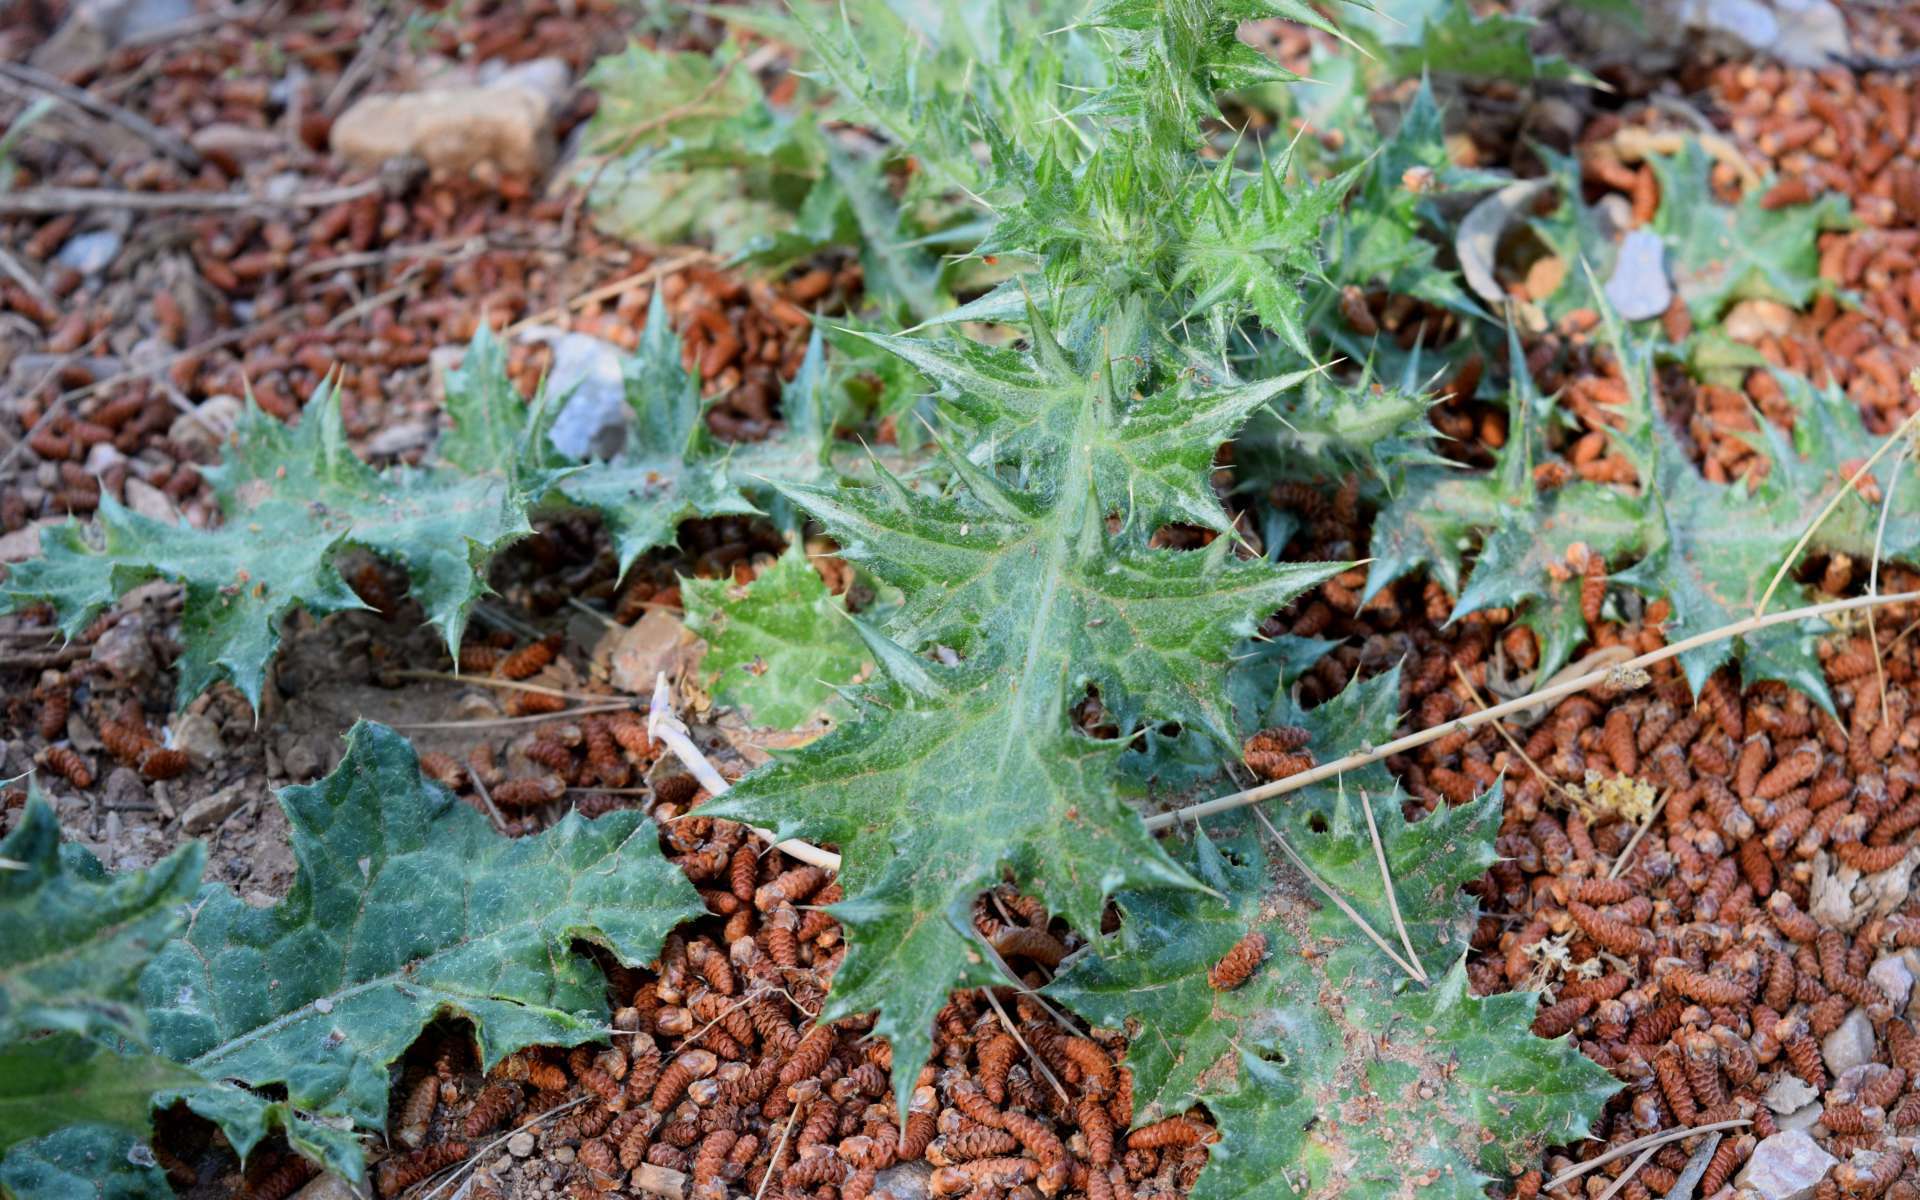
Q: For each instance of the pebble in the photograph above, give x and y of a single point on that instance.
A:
(125, 789)
(1790, 1094)
(1785, 1166)
(1894, 977)
(1850, 1045)
(150, 502)
(199, 735)
(520, 1144)
(1638, 288)
(208, 811)
(90, 253)
(504, 128)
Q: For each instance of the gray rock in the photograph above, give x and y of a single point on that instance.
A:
(520, 1144)
(1894, 976)
(1785, 1166)
(208, 811)
(208, 424)
(1638, 288)
(90, 253)
(1812, 33)
(150, 501)
(1790, 1093)
(93, 27)
(198, 735)
(1802, 1119)
(125, 789)
(586, 370)
(124, 653)
(1850, 1045)
(302, 763)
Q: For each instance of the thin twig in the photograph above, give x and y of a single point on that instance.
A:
(664, 726)
(1626, 852)
(168, 143)
(492, 682)
(1633, 1169)
(1640, 1143)
(1386, 881)
(780, 1148)
(486, 798)
(1037, 1061)
(52, 658)
(1341, 766)
(18, 272)
(1553, 785)
(492, 722)
(1846, 489)
(1873, 585)
(57, 200)
(591, 611)
(1015, 982)
(1340, 902)
(618, 287)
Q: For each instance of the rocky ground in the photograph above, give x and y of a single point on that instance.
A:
(338, 190)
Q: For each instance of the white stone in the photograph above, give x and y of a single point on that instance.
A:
(1850, 1045)
(586, 370)
(1790, 1093)
(1785, 1166)
(149, 501)
(520, 1144)
(1894, 977)
(1638, 288)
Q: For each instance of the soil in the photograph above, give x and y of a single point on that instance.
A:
(1756, 834)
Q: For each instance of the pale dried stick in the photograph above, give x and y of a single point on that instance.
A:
(1873, 585)
(1639, 1143)
(1035, 1059)
(1626, 852)
(1633, 1168)
(1621, 672)
(1846, 489)
(1339, 901)
(1553, 785)
(664, 726)
(1386, 881)
(535, 719)
(492, 682)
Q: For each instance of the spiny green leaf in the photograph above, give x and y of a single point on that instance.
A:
(670, 469)
(780, 646)
(406, 906)
(82, 1162)
(292, 499)
(952, 772)
(66, 1079)
(73, 939)
(1719, 254)
(727, 166)
(1329, 1070)
(1446, 37)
